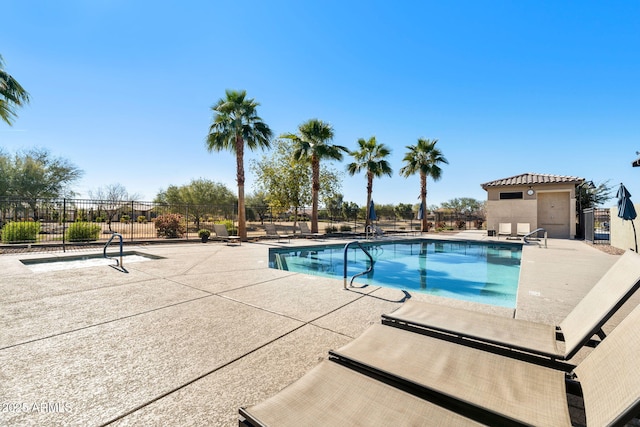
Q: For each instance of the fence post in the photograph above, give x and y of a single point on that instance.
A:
(64, 224)
(131, 219)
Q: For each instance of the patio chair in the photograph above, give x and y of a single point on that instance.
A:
(522, 229)
(306, 232)
(453, 384)
(222, 234)
(504, 229)
(524, 339)
(271, 232)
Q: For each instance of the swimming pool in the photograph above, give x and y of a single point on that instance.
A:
(470, 271)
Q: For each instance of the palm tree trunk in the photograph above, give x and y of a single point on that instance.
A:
(315, 189)
(242, 224)
(423, 200)
(367, 221)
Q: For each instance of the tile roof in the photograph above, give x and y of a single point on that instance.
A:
(533, 178)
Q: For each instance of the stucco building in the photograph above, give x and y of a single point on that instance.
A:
(541, 200)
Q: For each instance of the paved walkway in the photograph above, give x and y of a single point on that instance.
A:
(189, 338)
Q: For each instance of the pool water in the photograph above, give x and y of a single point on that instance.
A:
(469, 271)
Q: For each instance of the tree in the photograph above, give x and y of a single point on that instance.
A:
(284, 180)
(258, 204)
(370, 158)
(312, 145)
(589, 195)
(112, 198)
(463, 205)
(403, 211)
(36, 174)
(235, 124)
(423, 158)
(334, 206)
(12, 95)
(202, 196)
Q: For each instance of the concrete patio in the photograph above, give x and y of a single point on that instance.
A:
(189, 338)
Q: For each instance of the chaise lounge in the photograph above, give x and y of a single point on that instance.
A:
(524, 339)
(438, 382)
(222, 234)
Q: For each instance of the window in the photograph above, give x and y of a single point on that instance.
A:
(511, 195)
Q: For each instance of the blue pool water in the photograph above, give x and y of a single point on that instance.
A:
(470, 271)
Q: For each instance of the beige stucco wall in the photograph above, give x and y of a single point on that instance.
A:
(526, 209)
(622, 231)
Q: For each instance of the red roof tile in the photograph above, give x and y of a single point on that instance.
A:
(533, 178)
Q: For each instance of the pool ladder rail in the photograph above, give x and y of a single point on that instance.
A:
(368, 270)
(104, 251)
(524, 238)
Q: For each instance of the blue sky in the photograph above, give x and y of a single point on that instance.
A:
(124, 89)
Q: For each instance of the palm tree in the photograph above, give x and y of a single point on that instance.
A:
(312, 145)
(11, 95)
(235, 124)
(424, 158)
(370, 158)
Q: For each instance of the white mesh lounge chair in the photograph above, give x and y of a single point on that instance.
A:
(524, 339)
(504, 229)
(412, 379)
(271, 232)
(522, 229)
(306, 232)
(222, 234)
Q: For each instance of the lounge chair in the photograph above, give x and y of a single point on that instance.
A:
(222, 234)
(450, 381)
(306, 232)
(333, 395)
(271, 232)
(521, 338)
(522, 229)
(504, 229)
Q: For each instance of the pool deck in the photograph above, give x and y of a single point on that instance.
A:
(188, 339)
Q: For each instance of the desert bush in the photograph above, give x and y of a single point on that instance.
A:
(170, 226)
(461, 224)
(20, 232)
(142, 219)
(82, 232)
(330, 229)
(125, 219)
(345, 228)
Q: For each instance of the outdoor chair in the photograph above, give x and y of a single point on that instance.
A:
(271, 232)
(524, 339)
(522, 229)
(222, 234)
(450, 379)
(504, 229)
(306, 232)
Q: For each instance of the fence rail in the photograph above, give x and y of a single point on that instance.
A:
(137, 220)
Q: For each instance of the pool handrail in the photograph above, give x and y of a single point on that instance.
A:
(524, 238)
(346, 248)
(104, 251)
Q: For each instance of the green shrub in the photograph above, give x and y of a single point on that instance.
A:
(170, 226)
(330, 229)
(345, 228)
(82, 232)
(125, 219)
(20, 232)
(204, 233)
(142, 219)
(228, 225)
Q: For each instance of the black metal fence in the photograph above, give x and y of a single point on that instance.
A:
(596, 223)
(54, 222)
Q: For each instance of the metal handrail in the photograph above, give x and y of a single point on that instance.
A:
(104, 251)
(370, 269)
(524, 238)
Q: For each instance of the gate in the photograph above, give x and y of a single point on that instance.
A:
(597, 222)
